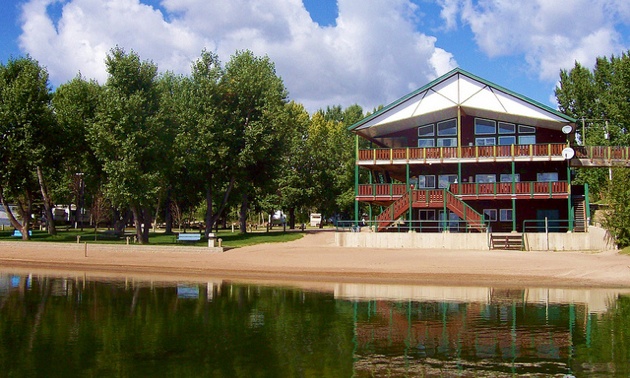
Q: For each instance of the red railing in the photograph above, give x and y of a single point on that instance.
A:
(394, 191)
(468, 152)
(602, 152)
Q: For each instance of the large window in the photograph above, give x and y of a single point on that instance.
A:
(547, 176)
(427, 215)
(489, 133)
(505, 215)
(507, 177)
(485, 126)
(445, 135)
(490, 215)
(485, 178)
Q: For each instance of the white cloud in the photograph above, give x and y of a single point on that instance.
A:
(373, 55)
(549, 34)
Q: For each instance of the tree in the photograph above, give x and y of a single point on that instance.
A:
(27, 129)
(599, 100)
(617, 218)
(129, 138)
(255, 117)
(80, 174)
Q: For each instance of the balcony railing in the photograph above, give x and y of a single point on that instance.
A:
(532, 189)
(419, 154)
(602, 152)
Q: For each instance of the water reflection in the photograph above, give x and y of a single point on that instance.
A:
(74, 325)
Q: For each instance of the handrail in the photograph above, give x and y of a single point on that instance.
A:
(408, 154)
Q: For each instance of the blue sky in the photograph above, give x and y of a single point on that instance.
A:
(328, 52)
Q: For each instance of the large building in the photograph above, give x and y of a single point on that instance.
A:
(462, 154)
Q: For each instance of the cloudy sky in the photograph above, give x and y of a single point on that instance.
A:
(344, 52)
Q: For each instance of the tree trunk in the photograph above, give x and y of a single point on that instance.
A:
(138, 219)
(243, 214)
(48, 205)
(221, 207)
(209, 215)
(292, 218)
(22, 227)
(168, 216)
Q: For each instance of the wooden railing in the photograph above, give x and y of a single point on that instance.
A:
(602, 152)
(532, 188)
(466, 152)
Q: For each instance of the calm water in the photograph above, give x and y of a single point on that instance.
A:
(73, 326)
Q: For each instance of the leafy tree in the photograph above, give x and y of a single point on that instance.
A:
(599, 100)
(254, 116)
(617, 218)
(129, 137)
(27, 129)
(75, 104)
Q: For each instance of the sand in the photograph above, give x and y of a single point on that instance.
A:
(315, 258)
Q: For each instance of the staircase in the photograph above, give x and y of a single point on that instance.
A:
(511, 241)
(430, 199)
(579, 224)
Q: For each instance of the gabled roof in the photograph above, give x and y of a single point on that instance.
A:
(440, 99)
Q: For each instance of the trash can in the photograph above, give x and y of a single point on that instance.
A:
(211, 240)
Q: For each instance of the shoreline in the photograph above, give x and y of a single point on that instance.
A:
(317, 260)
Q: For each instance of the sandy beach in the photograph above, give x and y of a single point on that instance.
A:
(315, 258)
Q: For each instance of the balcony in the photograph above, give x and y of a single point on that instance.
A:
(386, 193)
(601, 156)
(468, 154)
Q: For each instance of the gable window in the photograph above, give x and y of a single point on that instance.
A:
(506, 128)
(522, 129)
(426, 130)
(447, 127)
(485, 126)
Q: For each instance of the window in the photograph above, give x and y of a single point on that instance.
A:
(485, 126)
(447, 127)
(506, 215)
(427, 215)
(425, 182)
(485, 141)
(527, 139)
(485, 178)
(426, 130)
(426, 142)
(522, 129)
(447, 142)
(507, 177)
(445, 180)
(547, 176)
(506, 128)
(490, 215)
(507, 140)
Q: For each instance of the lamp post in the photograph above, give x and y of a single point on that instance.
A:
(80, 195)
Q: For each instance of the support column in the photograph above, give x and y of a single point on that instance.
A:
(356, 180)
(410, 212)
(513, 198)
(587, 205)
(569, 202)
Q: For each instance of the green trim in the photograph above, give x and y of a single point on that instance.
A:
(459, 71)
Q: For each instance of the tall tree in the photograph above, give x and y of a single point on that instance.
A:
(75, 104)
(27, 129)
(129, 138)
(254, 115)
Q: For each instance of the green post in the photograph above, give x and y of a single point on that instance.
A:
(445, 214)
(410, 212)
(356, 181)
(514, 214)
(513, 196)
(587, 205)
(570, 208)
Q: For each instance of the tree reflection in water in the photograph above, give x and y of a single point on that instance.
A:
(53, 326)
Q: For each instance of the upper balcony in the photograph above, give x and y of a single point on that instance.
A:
(591, 156)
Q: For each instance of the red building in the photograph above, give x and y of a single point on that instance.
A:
(463, 154)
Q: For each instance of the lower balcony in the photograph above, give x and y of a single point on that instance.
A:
(386, 193)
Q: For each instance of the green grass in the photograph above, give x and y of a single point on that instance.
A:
(625, 251)
(229, 239)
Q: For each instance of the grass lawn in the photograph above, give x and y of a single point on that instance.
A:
(229, 239)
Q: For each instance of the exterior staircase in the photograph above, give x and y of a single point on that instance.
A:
(579, 224)
(429, 199)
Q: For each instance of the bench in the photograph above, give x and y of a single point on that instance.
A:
(188, 237)
(18, 233)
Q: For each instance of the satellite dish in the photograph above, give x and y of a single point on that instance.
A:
(568, 153)
(567, 129)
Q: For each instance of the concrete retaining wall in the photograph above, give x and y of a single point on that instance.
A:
(595, 240)
(476, 241)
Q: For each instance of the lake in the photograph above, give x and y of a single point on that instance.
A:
(79, 325)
